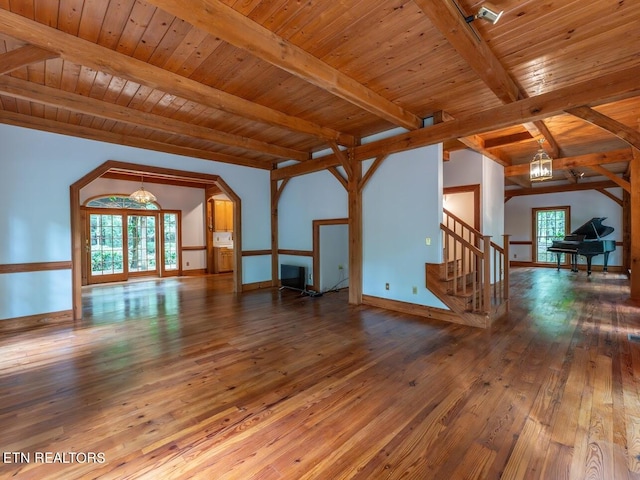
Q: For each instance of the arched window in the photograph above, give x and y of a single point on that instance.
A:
(120, 201)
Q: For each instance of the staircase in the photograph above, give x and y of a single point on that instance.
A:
(473, 281)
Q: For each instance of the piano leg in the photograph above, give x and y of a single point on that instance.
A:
(606, 261)
(589, 257)
(558, 259)
(574, 263)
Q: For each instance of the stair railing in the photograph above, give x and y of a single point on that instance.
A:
(474, 265)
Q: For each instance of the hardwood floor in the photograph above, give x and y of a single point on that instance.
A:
(182, 379)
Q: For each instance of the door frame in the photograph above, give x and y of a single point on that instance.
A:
(119, 277)
(475, 190)
(166, 174)
(316, 224)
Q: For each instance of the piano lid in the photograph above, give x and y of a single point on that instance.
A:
(593, 229)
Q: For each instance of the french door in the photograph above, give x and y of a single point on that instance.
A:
(142, 252)
(105, 247)
(121, 245)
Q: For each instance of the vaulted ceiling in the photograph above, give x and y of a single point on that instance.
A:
(263, 82)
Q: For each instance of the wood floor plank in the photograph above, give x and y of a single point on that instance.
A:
(182, 379)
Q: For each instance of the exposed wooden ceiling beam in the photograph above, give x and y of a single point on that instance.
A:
(476, 143)
(343, 158)
(620, 130)
(23, 56)
(336, 173)
(550, 145)
(507, 140)
(521, 182)
(224, 22)
(78, 103)
(616, 156)
(135, 177)
(599, 90)
(46, 125)
(88, 54)
(611, 176)
(610, 195)
(559, 188)
(449, 20)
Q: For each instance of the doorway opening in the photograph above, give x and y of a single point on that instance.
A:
(220, 231)
(140, 249)
(331, 254)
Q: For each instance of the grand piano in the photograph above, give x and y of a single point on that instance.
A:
(586, 241)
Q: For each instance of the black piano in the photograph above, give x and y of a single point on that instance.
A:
(586, 241)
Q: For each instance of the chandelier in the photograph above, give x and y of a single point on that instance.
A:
(142, 196)
(541, 166)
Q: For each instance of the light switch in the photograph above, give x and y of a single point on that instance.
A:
(427, 241)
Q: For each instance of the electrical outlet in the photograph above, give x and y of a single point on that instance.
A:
(187, 264)
(386, 286)
(414, 289)
(340, 267)
(310, 277)
(515, 255)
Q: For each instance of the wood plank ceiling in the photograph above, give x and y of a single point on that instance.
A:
(259, 82)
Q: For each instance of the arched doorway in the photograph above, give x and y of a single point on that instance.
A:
(159, 174)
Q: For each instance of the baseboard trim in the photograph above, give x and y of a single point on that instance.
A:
(247, 287)
(194, 273)
(581, 267)
(31, 322)
(411, 309)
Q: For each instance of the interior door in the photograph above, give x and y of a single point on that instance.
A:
(107, 256)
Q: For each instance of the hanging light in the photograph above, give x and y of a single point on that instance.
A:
(142, 195)
(541, 166)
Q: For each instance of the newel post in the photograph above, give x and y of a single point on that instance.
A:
(507, 267)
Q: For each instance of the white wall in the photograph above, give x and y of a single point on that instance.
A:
(317, 196)
(402, 207)
(492, 193)
(334, 253)
(37, 228)
(584, 205)
(462, 205)
(463, 168)
(467, 167)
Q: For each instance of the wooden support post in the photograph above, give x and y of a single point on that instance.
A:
(275, 197)
(626, 228)
(486, 280)
(355, 230)
(635, 226)
(77, 249)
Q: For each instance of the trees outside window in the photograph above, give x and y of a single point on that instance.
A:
(549, 224)
(122, 240)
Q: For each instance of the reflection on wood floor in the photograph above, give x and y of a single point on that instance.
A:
(181, 378)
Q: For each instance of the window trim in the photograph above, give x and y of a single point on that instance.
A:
(534, 230)
(118, 195)
(125, 212)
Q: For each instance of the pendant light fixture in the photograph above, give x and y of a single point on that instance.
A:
(541, 166)
(142, 196)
